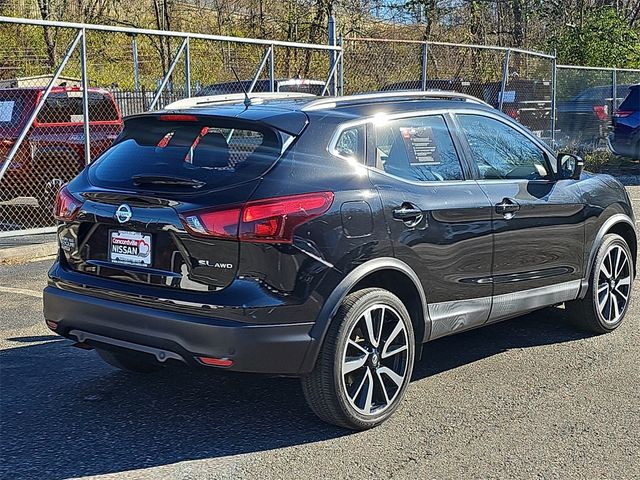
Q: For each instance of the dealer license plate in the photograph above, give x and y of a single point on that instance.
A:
(130, 248)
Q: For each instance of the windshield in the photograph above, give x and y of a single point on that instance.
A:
(165, 156)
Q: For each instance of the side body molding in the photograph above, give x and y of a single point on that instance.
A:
(332, 304)
(604, 228)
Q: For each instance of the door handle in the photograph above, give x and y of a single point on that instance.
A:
(409, 214)
(406, 213)
(508, 206)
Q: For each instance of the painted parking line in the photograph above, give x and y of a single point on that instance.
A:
(22, 291)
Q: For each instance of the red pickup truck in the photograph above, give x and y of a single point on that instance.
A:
(53, 151)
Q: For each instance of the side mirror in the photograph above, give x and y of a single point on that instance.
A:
(569, 166)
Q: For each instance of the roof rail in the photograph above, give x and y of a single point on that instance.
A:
(258, 97)
(332, 102)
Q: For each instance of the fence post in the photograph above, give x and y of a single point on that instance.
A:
(332, 53)
(263, 62)
(136, 66)
(272, 86)
(341, 67)
(36, 111)
(85, 97)
(423, 64)
(505, 78)
(187, 69)
(614, 82)
(554, 96)
(168, 75)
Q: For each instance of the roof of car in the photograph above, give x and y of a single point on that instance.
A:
(55, 89)
(269, 104)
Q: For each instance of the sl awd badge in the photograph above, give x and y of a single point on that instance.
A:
(207, 263)
(123, 213)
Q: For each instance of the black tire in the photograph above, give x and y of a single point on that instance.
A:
(589, 313)
(134, 362)
(326, 388)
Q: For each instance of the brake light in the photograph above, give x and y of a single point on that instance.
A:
(622, 113)
(513, 113)
(272, 220)
(217, 223)
(178, 118)
(66, 206)
(601, 111)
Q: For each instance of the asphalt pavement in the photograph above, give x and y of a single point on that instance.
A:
(528, 398)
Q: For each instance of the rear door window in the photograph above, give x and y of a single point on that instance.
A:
(417, 149)
(176, 156)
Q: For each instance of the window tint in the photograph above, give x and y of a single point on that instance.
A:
(213, 155)
(350, 144)
(418, 149)
(500, 151)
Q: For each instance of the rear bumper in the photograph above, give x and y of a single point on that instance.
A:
(624, 145)
(273, 348)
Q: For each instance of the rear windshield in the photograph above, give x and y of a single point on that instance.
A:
(632, 102)
(66, 107)
(156, 155)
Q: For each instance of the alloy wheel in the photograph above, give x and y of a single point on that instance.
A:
(614, 284)
(375, 360)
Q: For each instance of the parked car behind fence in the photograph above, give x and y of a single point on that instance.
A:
(625, 139)
(53, 151)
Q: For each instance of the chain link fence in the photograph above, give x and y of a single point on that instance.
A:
(52, 123)
(517, 82)
(588, 106)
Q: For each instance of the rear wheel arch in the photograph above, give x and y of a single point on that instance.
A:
(385, 272)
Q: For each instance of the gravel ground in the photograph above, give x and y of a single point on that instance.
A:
(527, 398)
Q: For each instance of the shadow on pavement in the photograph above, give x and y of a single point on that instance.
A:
(64, 413)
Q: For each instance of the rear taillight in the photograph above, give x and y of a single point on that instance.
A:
(513, 113)
(622, 113)
(66, 206)
(601, 111)
(272, 220)
(216, 223)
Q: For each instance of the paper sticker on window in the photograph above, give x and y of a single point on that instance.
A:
(420, 146)
(6, 110)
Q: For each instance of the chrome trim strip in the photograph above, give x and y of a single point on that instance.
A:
(439, 111)
(161, 355)
(518, 303)
(456, 316)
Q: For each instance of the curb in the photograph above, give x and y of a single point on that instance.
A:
(28, 253)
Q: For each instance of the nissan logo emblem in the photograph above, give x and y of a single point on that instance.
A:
(123, 213)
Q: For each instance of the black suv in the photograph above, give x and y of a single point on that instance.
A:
(329, 239)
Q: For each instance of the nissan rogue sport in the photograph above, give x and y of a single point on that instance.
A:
(329, 239)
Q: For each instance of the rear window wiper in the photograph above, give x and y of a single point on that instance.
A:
(166, 180)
